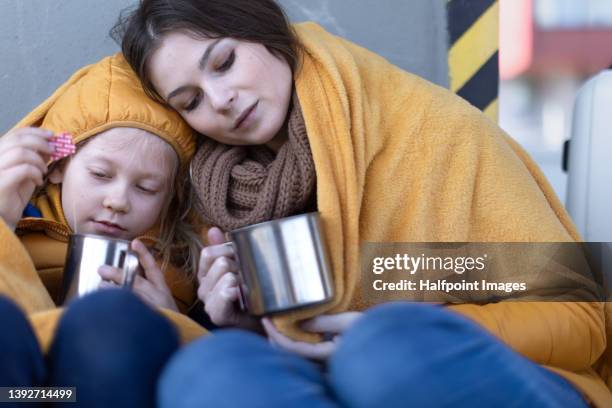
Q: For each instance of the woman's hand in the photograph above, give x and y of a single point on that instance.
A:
(219, 290)
(23, 156)
(327, 325)
(152, 288)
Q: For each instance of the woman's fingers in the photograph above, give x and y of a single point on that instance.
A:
(221, 267)
(223, 287)
(217, 247)
(215, 236)
(316, 351)
(331, 323)
(210, 254)
(221, 301)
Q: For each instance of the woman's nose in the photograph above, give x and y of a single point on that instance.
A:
(116, 199)
(221, 97)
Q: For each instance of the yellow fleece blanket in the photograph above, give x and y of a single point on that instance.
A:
(399, 159)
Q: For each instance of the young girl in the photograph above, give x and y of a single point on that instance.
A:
(296, 119)
(126, 180)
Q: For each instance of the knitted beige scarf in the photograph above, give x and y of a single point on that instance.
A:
(243, 185)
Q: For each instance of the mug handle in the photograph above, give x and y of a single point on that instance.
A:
(241, 286)
(129, 264)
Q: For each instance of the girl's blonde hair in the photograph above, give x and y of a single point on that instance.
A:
(179, 239)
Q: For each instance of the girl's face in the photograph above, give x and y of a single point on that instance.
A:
(117, 183)
(233, 91)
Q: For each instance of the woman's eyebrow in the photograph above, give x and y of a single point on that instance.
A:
(201, 66)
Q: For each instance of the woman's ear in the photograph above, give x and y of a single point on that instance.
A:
(56, 174)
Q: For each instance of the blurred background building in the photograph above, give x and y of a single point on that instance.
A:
(548, 48)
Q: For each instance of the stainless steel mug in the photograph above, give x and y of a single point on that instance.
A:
(86, 253)
(283, 264)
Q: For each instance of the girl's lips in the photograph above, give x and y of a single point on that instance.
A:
(107, 228)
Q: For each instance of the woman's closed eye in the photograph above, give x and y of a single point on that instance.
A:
(228, 62)
(193, 103)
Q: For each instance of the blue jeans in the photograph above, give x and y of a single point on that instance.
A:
(109, 345)
(396, 355)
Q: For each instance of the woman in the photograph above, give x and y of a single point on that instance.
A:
(296, 119)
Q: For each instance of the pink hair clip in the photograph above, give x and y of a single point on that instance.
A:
(62, 146)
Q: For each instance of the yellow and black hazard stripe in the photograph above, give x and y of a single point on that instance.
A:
(473, 54)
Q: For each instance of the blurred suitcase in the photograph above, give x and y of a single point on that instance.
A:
(589, 188)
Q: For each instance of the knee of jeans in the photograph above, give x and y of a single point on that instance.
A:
(18, 334)
(392, 338)
(113, 308)
(398, 318)
(215, 364)
(412, 322)
(105, 301)
(22, 357)
(221, 350)
(11, 316)
(110, 318)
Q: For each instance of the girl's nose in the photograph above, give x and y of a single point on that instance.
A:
(116, 199)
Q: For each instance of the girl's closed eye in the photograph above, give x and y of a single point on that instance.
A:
(99, 173)
(147, 189)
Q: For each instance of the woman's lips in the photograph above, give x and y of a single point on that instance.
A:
(108, 228)
(245, 118)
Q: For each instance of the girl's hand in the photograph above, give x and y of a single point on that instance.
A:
(23, 156)
(218, 278)
(152, 288)
(326, 325)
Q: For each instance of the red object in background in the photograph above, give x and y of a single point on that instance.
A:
(515, 37)
(526, 48)
(585, 50)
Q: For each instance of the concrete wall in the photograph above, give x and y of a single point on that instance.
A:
(409, 33)
(44, 41)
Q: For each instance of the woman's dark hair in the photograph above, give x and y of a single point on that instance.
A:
(141, 30)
